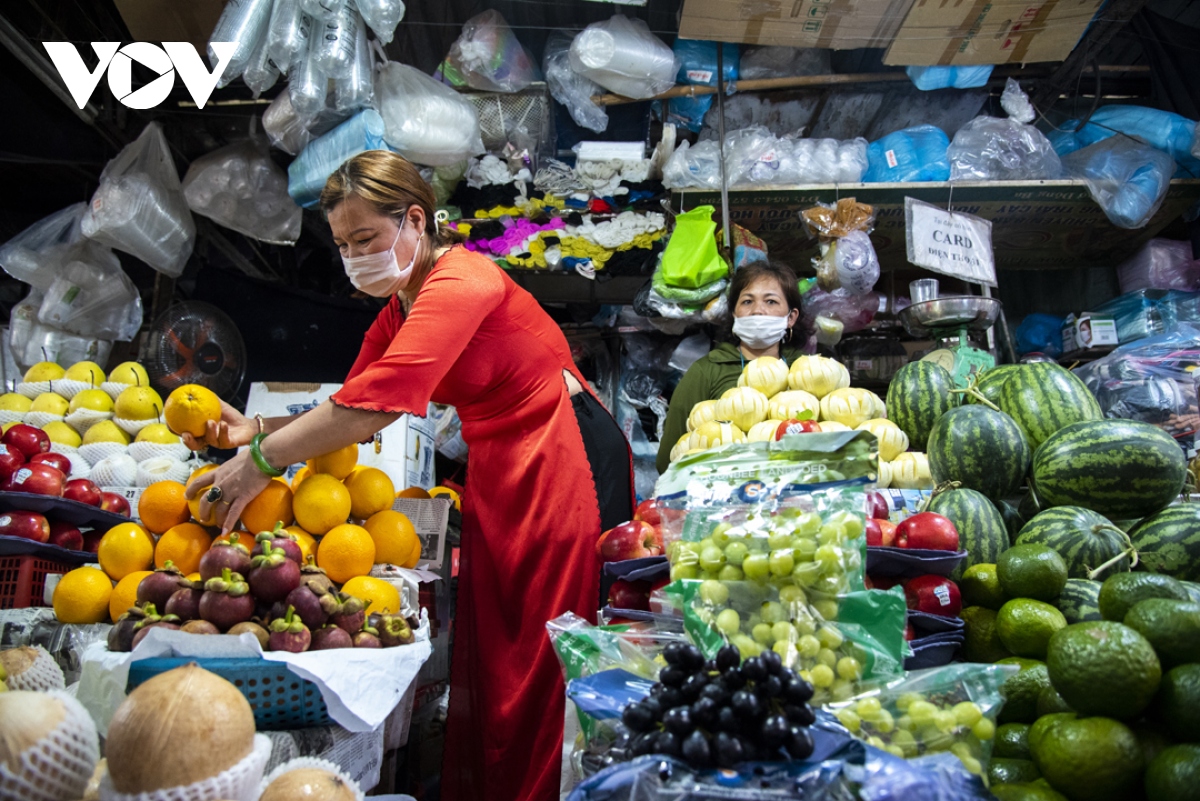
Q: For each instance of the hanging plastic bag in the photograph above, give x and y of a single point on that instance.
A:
(833, 225)
(382, 16)
(929, 78)
(244, 22)
(698, 66)
(1000, 149)
(914, 154)
(239, 187)
(1165, 130)
(310, 170)
(569, 87)
(691, 259)
(856, 263)
(260, 73)
(322, 10)
(35, 255)
(287, 33)
(307, 83)
(425, 121)
(1125, 177)
(93, 297)
(623, 56)
(139, 206)
(1016, 103)
(357, 88)
(284, 127)
(487, 56)
(335, 40)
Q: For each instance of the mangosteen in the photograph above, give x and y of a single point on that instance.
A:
(289, 633)
(393, 631)
(273, 575)
(260, 633)
(279, 539)
(120, 636)
(345, 611)
(226, 600)
(152, 620)
(199, 627)
(232, 554)
(314, 577)
(328, 637)
(185, 601)
(144, 630)
(367, 637)
(308, 606)
(157, 587)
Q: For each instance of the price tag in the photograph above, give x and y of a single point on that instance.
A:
(958, 245)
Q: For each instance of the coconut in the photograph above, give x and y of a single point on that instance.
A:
(48, 746)
(32, 669)
(179, 728)
(311, 779)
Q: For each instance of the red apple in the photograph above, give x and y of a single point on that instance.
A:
(28, 440)
(91, 540)
(11, 460)
(796, 427)
(64, 535)
(83, 490)
(934, 595)
(877, 506)
(629, 595)
(38, 478)
(881, 532)
(27, 525)
(874, 535)
(54, 460)
(649, 511)
(112, 502)
(927, 530)
(632, 540)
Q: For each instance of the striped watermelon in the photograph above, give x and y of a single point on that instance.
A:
(918, 395)
(981, 530)
(1043, 397)
(1079, 600)
(990, 381)
(1169, 542)
(1084, 539)
(1119, 468)
(980, 448)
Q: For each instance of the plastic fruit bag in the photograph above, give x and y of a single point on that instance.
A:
(310, 170)
(139, 206)
(382, 16)
(245, 23)
(239, 187)
(623, 56)
(92, 296)
(1125, 177)
(35, 255)
(691, 259)
(425, 121)
(488, 56)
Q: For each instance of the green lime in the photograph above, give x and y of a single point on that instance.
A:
(1121, 591)
(1043, 725)
(1103, 668)
(1021, 691)
(1090, 759)
(1026, 792)
(1177, 704)
(1174, 775)
(1031, 571)
(1172, 627)
(1012, 771)
(1012, 741)
(980, 586)
(982, 644)
(1050, 702)
(1025, 626)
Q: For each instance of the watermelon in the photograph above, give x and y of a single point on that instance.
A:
(1169, 542)
(990, 381)
(1079, 600)
(1084, 539)
(980, 448)
(1012, 518)
(1119, 468)
(981, 530)
(918, 395)
(1043, 397)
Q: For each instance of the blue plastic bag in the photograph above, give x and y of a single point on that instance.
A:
(698, 66)
(1165, 130)
(929, 78)
(309, 171)
(1040, 333)
(914, 154)
(1127, 178)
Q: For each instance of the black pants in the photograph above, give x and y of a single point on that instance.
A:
(608, 454)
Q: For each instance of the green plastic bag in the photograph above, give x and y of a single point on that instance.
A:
(691, 259)
(686, 296)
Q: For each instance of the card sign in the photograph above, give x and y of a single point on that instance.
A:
(958, 245)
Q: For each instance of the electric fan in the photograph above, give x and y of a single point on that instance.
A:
(195, 343)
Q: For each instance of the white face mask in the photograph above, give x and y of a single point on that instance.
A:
(379, 274)
(759, 331)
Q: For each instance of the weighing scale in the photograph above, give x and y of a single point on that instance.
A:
(949, 317)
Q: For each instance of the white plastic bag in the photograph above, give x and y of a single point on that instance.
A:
(244, 22)
(139, 206)
(35, 255)
(335, 40)
(239, 187)
(356, 89)
(382, 16)
(488, 56)
(1001, 149)
(310, 170)
(569, 87)
(287, 33)
(856, 263)
(623, 56)
(1016, 103)
(696, 167)
(425, 121)
(92, 297)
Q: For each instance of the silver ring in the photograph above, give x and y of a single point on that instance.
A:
(214, 494)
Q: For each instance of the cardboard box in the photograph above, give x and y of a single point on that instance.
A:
(835, 24)
(171, 20)
(405, 448)
(965, 32)
(1086, 331)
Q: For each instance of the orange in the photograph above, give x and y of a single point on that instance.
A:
(163, 505)
(338, 464)
(193, 577)
(371, 491)
(245, 538)
(125, 548)
(321, 503)
(381, 596)
(395, 538)
(272, 505)
(124, 595)
(184, 545)
(345, 552)
(306, 541)
(194, 503)
(413, 492)
(298, 479)
(81, 596)
(189, 408)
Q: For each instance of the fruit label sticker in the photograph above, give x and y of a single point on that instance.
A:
(950, 243)
(942, 593)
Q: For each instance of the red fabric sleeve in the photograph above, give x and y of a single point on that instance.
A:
(379, 336)
(455, 299)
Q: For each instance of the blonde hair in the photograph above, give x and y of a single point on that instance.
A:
(390, 184)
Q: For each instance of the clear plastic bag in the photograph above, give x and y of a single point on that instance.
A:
(856, 263)
(1001, 149)
(830, 161)
(382, 16)
(696, 167)
(929, 78)
(488, 56)
(1128, 179)
(92, 296)
(356, 89)
(623, 56)
(569, 87)
(854, 312)
(239, 187)
(425, 121)
(139, 206)
(914, 154)
(245, 23)
(1139, 314)
(260, 73)
(35, 255)
(307, 82)
(782, 62)
(287, 33)
(286, 129)
(1160, 264)
(1016, 103)
(321, 10)
(335, 42)
(310, 170)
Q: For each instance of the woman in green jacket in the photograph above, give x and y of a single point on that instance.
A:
(765, 301)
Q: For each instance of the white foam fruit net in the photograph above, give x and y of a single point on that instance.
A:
(69, 388)
(114, 388)
(119, 470)
(83, 419)
(237, 783)
(31, 389)
(94, 452)
(42, 675)
(152, 471)
(39, 419)
(10, 416)
(176, 451)
(312, 762)
(133, 427)
(60, 764)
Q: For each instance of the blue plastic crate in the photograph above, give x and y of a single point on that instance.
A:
(280, 699)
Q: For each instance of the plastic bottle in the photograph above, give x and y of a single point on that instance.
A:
(335, 41)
